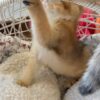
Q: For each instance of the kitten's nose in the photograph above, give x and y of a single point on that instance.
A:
(26, 2)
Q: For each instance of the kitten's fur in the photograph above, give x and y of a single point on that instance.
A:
(54, 41)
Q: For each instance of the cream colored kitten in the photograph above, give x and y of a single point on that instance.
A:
(54, 41)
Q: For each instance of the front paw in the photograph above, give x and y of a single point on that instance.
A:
(24, 83)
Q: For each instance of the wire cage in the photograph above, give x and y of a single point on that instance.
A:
(14, 19)
(89, 22)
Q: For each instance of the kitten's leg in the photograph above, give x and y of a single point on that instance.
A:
(28, 75)
(41, 33)
(91, 79)
(41, 29)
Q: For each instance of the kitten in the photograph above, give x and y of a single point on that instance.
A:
(54, 42)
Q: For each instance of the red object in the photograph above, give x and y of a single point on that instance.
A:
(83, 26)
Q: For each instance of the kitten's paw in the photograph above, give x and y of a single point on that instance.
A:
(24, 83)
